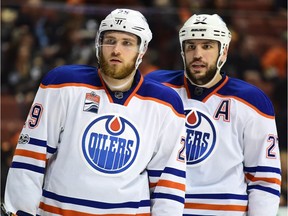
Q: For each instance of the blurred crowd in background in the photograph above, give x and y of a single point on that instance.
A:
(38, 35)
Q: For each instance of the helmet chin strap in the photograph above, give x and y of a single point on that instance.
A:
(138, 60)
(142, 51)
(119, 84)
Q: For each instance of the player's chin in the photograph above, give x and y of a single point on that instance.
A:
(197, 72)
(115, 66)
(196, 69)
(197, 75)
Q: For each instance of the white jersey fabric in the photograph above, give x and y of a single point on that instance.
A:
(85, 150)
(233, 162)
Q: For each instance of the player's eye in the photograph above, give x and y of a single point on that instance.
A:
(127, 43)
(109, 41)
(189, 46)
(207, 46)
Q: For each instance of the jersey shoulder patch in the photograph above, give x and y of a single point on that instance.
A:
(80, 74)
(172, 77)
(249, 93)
(160, 92)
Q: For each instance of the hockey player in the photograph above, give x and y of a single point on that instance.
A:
(233, 165)
(102, 141)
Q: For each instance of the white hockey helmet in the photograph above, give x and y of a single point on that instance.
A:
(126, 20)
(205, 26)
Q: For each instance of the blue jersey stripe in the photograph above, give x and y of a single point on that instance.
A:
(37, 142)
(175, 172)
(30, 167)
(22, 213)
(196, 215)
(262, 169)
(167, 196)
(95, 204)
(154, 173)
(169, 170)
(217, 196)
(51, 150)
(266, 189)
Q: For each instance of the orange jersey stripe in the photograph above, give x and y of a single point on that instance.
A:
(70, 85)
(171, 184)
(134, 91)
(248, 104)
(56, 210)
(215, 90)
(31, 154)
(171, 85)
(162, 102)
(168, 184)
(216, 207)
(270, 180)
(151, 185)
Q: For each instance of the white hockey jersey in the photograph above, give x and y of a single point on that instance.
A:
(233, 164)
(85, 150)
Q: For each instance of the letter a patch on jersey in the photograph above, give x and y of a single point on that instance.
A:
(223, 110)
(91, 103)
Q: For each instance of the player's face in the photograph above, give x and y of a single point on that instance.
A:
(201, 59)
(118, 54)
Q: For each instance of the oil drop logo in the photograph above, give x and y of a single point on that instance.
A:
(201, 137)
(110, 144)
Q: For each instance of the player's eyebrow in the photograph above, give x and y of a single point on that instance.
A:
(126, 36)
(202, 41)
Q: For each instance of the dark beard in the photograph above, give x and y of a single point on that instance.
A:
(116, 73)
(205, 79)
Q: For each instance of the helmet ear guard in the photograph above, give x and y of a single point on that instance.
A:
(126, 20)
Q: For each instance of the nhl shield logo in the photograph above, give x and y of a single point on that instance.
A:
(201, 137)
(110, 144)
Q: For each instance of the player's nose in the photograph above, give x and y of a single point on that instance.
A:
(197, 52)
(116, 48)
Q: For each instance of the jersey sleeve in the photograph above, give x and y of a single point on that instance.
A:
(167, 169)
(36, 147)
(262, 161)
